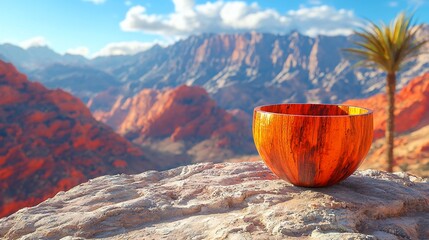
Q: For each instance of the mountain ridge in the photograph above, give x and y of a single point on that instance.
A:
(246, 70)
(251, 68)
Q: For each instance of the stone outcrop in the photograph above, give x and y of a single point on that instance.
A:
(229, 201)
(50, 142)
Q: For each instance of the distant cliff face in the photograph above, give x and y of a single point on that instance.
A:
(182, 114)
(250, 69)
(244, 70)
(50, 142)
(215, 61)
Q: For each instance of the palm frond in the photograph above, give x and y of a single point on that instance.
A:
(388, 47)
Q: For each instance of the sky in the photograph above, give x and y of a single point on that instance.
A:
(113, 27)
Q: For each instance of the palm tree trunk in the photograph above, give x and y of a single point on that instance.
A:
(390, 129)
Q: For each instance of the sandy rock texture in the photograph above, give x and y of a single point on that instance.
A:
(228, 201)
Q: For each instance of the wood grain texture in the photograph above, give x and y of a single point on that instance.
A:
(312, 145)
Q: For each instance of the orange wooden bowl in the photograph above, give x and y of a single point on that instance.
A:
(312, 145)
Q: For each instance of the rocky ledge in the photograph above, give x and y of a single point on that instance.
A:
(229, 201)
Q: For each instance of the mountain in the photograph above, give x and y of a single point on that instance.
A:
(80, 80)
(239, 71)
(245, 70)
(254, 68)
(49, 142)
(184, 115)
(3, 58)
(411, 108)
(412, 127)
(39, 57)
(68, 72)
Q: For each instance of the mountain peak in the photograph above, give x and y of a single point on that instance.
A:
(41, 47)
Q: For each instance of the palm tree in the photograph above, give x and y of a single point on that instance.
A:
(388, 48)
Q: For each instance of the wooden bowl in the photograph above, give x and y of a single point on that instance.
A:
(312, 145)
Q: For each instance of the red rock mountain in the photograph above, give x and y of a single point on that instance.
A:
(50, 142)
(181, 114)
(412, 105)
(412, 127)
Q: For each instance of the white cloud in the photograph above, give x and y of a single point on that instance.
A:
(239, 16)
(124, 48)
(34, 42)
(184, 6)
(84, 51)
(96, 1)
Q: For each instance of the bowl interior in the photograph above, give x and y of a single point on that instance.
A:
(314, 109)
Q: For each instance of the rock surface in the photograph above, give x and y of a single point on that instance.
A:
(229, 201)
(49, 142)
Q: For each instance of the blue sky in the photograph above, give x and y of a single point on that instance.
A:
(106, 27)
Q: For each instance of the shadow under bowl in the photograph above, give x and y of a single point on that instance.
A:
(312, 145)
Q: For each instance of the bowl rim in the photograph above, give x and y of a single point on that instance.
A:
(258, 109)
